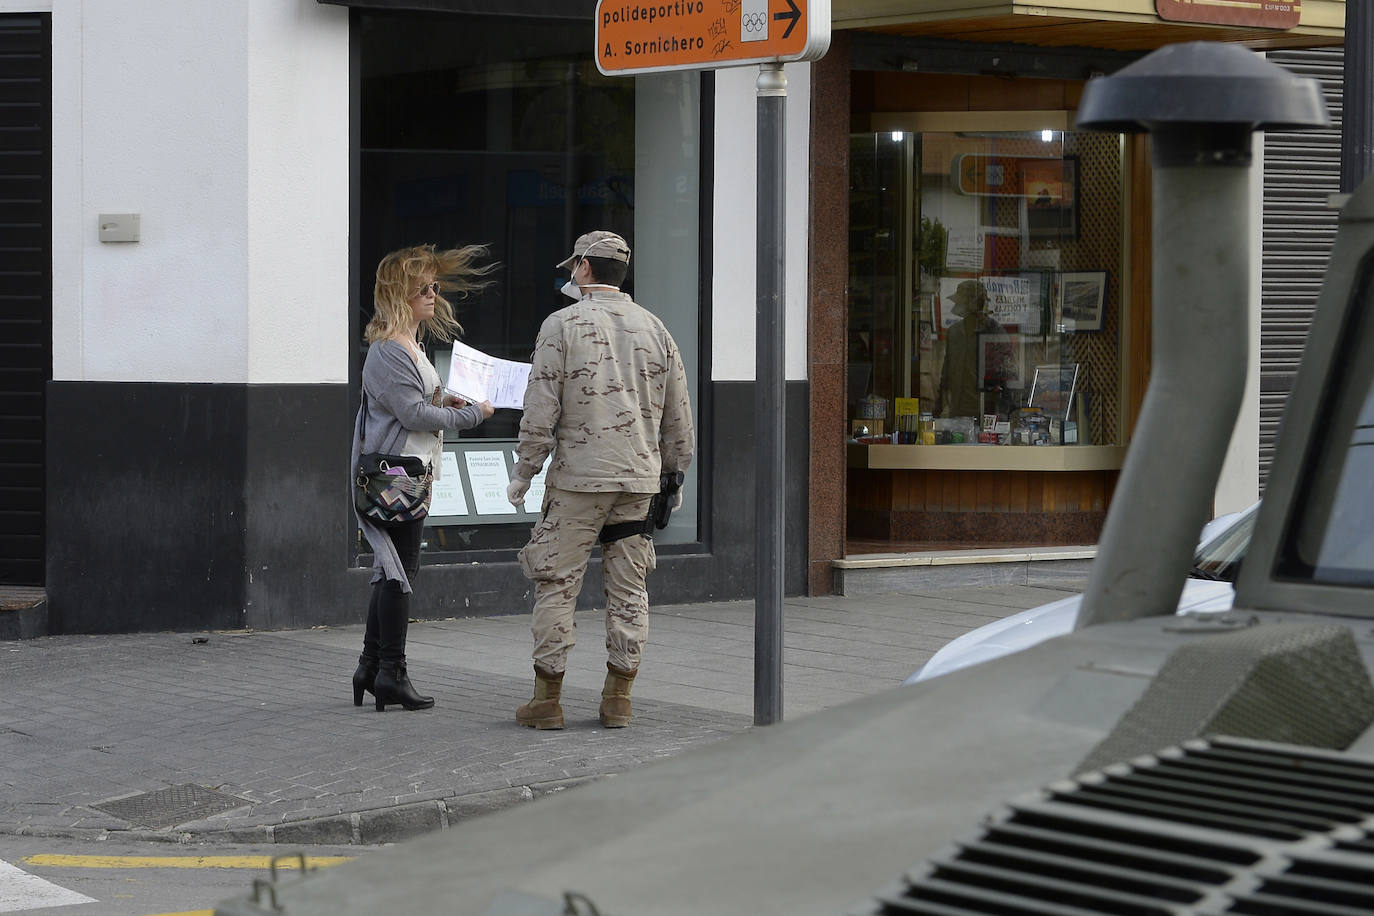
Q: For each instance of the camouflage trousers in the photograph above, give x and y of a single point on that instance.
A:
(555, 560)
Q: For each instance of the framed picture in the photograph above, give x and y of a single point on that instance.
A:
(1052, 389)
(1000, 361)
(1013, 300)
(1050, 189)
(1078, 305)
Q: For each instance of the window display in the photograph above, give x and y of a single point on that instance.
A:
(985, 286)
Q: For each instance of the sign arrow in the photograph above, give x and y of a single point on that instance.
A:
(794, 15)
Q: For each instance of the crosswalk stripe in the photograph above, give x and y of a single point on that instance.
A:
(20, 890)
(284, 863)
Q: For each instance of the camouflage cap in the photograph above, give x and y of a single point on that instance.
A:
(603, 244)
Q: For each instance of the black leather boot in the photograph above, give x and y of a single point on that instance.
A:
(392, 687)
(363, 678)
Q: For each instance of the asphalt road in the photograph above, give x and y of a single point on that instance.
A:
(57, 876)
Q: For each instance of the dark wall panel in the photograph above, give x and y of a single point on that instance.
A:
(144, 506)
(191, 507)
(299, 525)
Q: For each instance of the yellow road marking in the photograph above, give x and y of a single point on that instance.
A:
(284, 863)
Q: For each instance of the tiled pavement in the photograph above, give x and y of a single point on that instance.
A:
(267, 717)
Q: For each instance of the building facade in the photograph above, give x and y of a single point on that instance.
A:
(948, 132)
(219, 183)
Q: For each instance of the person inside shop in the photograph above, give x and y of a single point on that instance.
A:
(607, 396)
(404, 411)
(962, 378)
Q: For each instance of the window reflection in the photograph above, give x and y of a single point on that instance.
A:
(487, 129)
(985, 301)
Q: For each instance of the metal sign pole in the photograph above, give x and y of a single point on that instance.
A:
(769, 396)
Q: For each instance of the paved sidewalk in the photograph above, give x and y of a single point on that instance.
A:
(266, 718)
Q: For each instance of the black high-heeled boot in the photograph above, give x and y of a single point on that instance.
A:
(392, 687)
(364, 678)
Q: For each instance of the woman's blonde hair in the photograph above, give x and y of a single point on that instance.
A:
(400, 274)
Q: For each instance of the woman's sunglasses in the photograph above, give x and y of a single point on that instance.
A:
(428, 288)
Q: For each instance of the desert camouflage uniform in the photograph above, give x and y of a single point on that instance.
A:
(608, 396)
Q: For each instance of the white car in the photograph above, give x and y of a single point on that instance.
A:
(1210, 588)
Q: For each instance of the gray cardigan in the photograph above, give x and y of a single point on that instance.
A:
(394, 403)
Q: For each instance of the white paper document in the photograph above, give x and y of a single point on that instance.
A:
(489, 479)
(448, 498)
(478, 377)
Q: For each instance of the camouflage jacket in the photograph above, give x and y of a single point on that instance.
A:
(608, 396)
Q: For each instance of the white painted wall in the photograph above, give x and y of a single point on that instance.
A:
(1238, 485)
(298, 192)
(225, 126)
(734, 239)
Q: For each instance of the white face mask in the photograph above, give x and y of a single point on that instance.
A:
(571, 289)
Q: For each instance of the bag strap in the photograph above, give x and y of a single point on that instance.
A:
(362, 431)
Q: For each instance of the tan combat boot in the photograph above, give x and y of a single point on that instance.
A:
(544, 710)
(615, 697)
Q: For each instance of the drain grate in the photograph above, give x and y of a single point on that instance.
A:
(168, 807)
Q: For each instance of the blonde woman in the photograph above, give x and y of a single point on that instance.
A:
(404, 412)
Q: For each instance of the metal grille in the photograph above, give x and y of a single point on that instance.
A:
(25, 289)
(1301, 170)
(1210, 827)
(168, 807)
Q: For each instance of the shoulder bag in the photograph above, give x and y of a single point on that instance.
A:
(391, 489)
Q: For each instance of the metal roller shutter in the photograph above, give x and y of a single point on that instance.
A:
(25, 289)
(1301, 170)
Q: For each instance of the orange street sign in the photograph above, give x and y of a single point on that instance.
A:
(651, 36)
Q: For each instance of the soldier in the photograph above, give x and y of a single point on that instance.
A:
(607, 396)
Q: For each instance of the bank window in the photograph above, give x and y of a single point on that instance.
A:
(501, 131)
(985, 302)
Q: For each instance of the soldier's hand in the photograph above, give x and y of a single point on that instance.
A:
(515, 493)
(677, 500)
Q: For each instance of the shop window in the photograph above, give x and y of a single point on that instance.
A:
(499, 131)
(985, 289)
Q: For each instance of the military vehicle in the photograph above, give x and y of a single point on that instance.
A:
(1143, 763)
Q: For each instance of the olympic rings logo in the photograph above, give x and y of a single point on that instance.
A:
(755, 22)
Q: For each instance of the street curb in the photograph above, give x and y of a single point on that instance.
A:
(366, 827)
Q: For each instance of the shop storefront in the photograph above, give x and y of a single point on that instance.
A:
(993, 297)
(985, 328)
